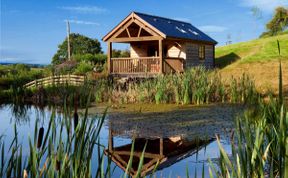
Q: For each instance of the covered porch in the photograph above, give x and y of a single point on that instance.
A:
(147, 58)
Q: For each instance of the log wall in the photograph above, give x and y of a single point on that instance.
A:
(192, 55)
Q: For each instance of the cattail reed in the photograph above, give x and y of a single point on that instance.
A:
(76, 117)
(40, 137)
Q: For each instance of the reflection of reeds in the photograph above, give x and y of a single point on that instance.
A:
(63, 153)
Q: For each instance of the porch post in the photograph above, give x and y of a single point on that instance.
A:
(109, 52)
(161, 56)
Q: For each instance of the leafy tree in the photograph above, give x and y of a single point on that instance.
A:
(278, 23)
(94, 59)
(120, 53)
(79, 45)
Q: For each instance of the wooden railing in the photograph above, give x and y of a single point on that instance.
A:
(139, 65)
(57, 80)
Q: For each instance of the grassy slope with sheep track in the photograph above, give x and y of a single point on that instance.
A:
(259, 58)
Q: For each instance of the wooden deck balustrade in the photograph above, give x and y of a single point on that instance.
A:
(140, 65)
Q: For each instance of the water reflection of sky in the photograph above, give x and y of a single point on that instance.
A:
(26, 123)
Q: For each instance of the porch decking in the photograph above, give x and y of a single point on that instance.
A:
(144, 66)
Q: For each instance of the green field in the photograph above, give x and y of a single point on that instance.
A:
(259, 50)
(259, 58)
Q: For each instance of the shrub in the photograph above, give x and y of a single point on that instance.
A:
(82, 68)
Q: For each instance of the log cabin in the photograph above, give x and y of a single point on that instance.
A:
(158, 45)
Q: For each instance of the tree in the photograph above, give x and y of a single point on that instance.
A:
(278, 23)
(80, 45)
(120, 53)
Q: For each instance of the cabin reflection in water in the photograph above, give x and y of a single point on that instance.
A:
(165, 151)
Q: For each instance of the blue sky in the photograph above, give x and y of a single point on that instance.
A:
(31, 30)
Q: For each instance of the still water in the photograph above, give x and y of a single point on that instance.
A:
(175, 154)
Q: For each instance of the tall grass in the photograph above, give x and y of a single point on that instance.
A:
(195, 86)
(60, 151)
(65, 149)
(260, 146)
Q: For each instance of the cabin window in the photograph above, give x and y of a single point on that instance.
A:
(201, 52)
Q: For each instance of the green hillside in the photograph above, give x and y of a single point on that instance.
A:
(259, 58)
(259, 50)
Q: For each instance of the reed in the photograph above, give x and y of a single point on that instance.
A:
(195, 86)
(65, 148)
(260, 145)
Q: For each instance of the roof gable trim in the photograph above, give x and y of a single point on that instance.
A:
(125, 23)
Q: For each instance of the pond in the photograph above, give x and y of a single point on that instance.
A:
(177, 140)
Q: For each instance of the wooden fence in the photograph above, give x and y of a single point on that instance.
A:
(74, 80)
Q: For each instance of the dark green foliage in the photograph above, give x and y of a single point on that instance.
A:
(82, 68)
(278, 23)
(13, 77)
(120, 53)
(94, 59)
(80, 45)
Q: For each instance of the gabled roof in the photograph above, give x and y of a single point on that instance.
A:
(168, 28)
(175, 28)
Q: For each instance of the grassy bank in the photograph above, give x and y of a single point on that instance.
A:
(259, 59)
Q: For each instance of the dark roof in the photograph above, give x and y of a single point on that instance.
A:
(175, 28)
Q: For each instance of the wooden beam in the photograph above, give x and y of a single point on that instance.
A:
(139, 32)
(173, 39)
(146, 38)
(132, 17)
(123, 28)
(106, 37)
(127, 30)
(109, 55)
(137, 154)
(145, 27)
(161, 55)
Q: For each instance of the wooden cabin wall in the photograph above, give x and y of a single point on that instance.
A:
(192, 55)
(175, 50)
(138, 50)
(209, 56)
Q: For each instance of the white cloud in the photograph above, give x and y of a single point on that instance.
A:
(83, 22)
(264, 5)
(212, 28)
(86, 9)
